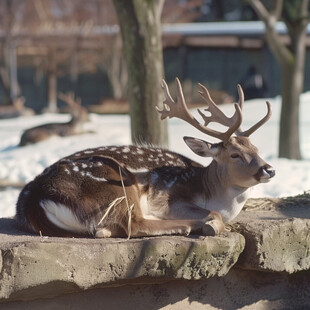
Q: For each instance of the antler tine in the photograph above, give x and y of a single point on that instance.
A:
(240, 103)
(241, 96)
(174, 108)
(78, 101)
(216, 114)
(248, 132)
(67, 98)
(179, 109)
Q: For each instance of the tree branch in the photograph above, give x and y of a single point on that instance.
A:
(261, 11)
(304, 14)
(278, 9)
(282, 53)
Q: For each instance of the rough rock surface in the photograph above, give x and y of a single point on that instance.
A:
(269, 243)
(33, 266)
(277, 233)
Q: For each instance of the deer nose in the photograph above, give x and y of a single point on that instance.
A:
(269, 170)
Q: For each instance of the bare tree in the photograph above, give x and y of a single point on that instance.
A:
(291, 58)
(8, 66)
(141, 33)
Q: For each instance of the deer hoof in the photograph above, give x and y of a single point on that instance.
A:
(103, 233)
(210, 229)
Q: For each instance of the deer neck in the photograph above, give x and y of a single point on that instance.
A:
(220, 195)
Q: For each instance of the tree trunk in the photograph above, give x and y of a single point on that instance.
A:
(8, 66)
(292, 86)
(289, 121)
(115, 69)
(8, 71)
(52, 91)
(292, 61)
(141, 33)
(52, 84)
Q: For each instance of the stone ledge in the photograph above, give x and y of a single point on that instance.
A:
(270, 235)
(43, 267)
(277, 234)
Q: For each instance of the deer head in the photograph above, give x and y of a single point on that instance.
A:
(78, 113)
(237, 158)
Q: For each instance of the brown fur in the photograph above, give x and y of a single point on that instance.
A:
(87, 182)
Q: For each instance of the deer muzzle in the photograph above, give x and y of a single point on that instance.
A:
(265, 173)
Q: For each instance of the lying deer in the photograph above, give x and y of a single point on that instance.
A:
(117, 191)
(79, 116)
(16, 109)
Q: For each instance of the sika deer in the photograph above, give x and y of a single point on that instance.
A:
(79, 116)
(117, 191)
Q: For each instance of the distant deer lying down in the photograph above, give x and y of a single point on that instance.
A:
(79, 116)
(16, 109)
(116, 191)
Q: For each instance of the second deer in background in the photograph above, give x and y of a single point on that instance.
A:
(79, 116)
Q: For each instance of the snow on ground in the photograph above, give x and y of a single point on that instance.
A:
(22, 164)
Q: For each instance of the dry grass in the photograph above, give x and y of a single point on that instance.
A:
(116, 202)
(129, 208)
(277, 203)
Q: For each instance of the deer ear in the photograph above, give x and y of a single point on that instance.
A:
(200, 147)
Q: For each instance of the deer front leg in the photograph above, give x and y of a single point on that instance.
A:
(212, 223)
(141, 228)
(144, 227)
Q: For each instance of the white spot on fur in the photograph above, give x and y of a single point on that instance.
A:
(88, 152)
(126, 150)
(169, 155)
(139, 170)
(67, 171)
(76, 168)
(140, 151)
(96, 178)
(61, 216)
(84, 166)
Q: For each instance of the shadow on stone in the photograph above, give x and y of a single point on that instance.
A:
(8, 226)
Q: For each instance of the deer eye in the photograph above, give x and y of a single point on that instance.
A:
(235, 155)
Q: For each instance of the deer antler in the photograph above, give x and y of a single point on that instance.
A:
(70, 99)
(179, 109)
(248, 132)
